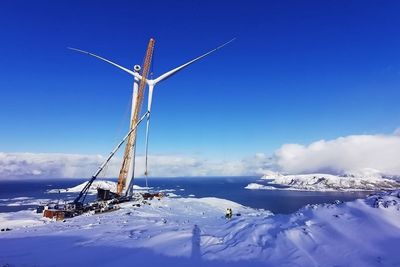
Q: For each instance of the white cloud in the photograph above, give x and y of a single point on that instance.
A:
(52, 165)
(30, 165)
(345, 154)
(355, 153)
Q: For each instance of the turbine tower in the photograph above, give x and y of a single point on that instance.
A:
(126, 175)
(128, 162)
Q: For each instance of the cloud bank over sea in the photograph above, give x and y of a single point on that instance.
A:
(355, 154)
(350, 154)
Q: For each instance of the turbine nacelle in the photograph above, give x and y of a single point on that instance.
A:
(137, 68)
(151, 84)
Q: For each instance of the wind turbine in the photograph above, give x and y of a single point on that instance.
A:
(151, 84)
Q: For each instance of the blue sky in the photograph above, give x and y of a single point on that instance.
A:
(298, 72)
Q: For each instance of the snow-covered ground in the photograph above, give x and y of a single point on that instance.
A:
(107, 185)
(326, 182)
(193, 232)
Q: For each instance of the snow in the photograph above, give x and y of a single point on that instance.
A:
(194, 232)
(365, 173)
(172, 195)
(254, 186)
(329, 182)
(22, 201)
(20, 219)
(136, 187)
(15, 198)
(107, 185)
(167, 190)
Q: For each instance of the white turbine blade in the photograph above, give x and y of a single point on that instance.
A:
(135, 74)
(172, 72)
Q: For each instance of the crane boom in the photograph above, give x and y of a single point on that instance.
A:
(126, 173)
(139, 100)
(78, 200)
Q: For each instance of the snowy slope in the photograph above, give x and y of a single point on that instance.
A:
(328, 182)
(193, 232)
(108, 185)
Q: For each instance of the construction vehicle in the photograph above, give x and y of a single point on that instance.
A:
(107, 200)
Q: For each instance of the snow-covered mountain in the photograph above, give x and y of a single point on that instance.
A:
(107, 185)
(254, 186)
(327, 182)
(194, 232)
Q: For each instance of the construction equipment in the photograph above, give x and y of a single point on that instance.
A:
(126, 175)
(80, 199)
(109, 200)
(129, 158)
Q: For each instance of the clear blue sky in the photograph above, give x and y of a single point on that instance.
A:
(299, 71)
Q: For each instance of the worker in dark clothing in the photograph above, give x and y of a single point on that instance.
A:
(228, 213)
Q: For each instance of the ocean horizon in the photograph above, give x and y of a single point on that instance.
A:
(16, 195)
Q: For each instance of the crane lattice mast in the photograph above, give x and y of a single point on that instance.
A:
(126, 174)
(129, 149)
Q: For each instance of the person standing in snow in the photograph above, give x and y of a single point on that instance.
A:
(228, 213)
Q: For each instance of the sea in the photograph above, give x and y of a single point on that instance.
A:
(29, 193)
